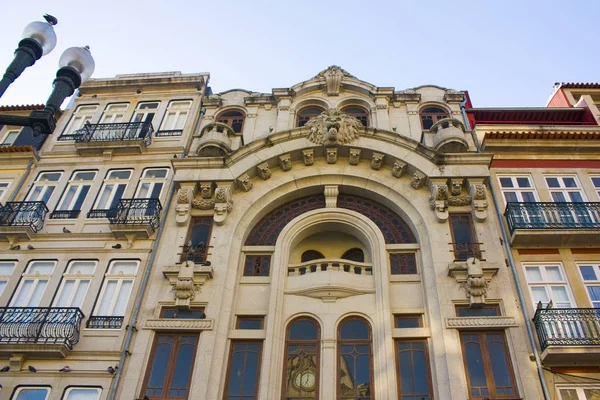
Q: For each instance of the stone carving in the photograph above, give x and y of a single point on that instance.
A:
(476, 288)
(285, 162)
(244, 182)
(170, 324)
(480, 322)
(186, 280)
(203, 204)
(331, 195)
(308, 156)
(184, 203)
(480, 203)
(333, 78)
(473, 276)
(382, 106)
(462, 200)
(206, 190)
(264, 171)
(354, 156)
(377, 160)
(333, 127)
(438, 201)
(284, 108)
(183, 195)
(418, 180)
(398, 169)
(223, 204)
(332, 153)
(456, 185)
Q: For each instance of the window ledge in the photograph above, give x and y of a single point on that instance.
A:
(480, 322)
(398, 333)
(167, 324)
(405, 278)
(245, 334)
(90, 332)
(255, 280)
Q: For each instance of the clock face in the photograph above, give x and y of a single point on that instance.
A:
(305, 380)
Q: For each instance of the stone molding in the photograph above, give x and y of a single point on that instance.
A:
(480, 322)
(167, 324)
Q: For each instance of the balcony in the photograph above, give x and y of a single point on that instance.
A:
(121, 138)
(39, 331)
(104, 322)
(464, 251)
(135, 218)
(21, 220)
(568, 336)
(553, 224)
(330, 279)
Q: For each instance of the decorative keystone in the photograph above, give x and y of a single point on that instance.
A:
(264, 171)
(354, 157)
(377, 160)
(285, 162)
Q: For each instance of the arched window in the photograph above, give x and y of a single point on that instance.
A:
(354, 254)
(359, 113)
(310, 255)
(234, 119)
(431, 115)
(307, 114)
(355, 371)
(301, 374)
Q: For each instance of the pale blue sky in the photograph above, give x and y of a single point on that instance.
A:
(506, 53)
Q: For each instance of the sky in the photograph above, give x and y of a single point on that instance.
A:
(505, 53)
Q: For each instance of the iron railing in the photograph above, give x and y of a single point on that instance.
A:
(104, 322)
(101, 213)
(195, 253)
(24, 213)
(124, 131)
(136, 212)
(552, 216)
(65, 214)
(172, 132)
(464, 251)
(567, 326)
(48, 325)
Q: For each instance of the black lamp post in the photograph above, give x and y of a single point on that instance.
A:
(76, 66)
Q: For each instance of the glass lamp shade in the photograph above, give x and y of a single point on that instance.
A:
(43, 33)
(80, 59)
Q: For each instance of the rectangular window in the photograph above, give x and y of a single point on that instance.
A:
(44, 186)
(413, 370)
(517, 189)
(111, 192)
(488, 365)
(174, 119)
(408, 321)
(198, 239)
(243, 370)
(82, 115)
(170, 367)
(175, 313)
(257, 265)
(6, 270)
(250, 322)
(596, 183)
(114, 113)
(403, 263)
(579, 393)
(10, 137)
(75, 283)
(3, 189)
(114, 295)
(548, 283)
(144, 112)
(564, 189)
(74, 195)
(590, 273)
(31, 393)
(82, 393)
(488, 310)
(464, 239)
(33, 284)
(151, 183)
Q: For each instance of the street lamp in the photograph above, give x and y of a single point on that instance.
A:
(76, 66)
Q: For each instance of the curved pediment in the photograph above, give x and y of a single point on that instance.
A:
(332, 80)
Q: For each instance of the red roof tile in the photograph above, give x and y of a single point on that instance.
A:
(577, 85)
(24, 107)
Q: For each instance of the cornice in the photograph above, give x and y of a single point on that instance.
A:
(480, 322)
(159, 324)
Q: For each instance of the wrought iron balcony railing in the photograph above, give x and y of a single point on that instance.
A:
(195, 253)
(48, 325)
(24, 213)
(136, 212)
(124, 131)
(464, 251)
(65, 214)
(166, 133)
(552, 216)
(567, 326)
(104, 322)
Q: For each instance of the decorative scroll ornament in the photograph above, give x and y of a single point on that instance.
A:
(264, 171)
(331, 195)
(377, 160)
(223, 204)
(184, 199)
(285, 162)
(473, 276)
(186, 280)
(439, 201)
(308, 156)
(398, 169)
(354, 157)
(480, 203)
(418, 180)
(333, 127)
(244, 183)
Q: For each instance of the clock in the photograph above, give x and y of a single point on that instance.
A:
(305, 380)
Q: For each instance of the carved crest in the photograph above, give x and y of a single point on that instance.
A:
(333, 127)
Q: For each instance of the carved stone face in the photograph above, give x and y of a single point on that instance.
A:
(206, 191)
(332, 126)
(456, 188)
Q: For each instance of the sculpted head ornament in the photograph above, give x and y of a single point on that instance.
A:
(333, 127)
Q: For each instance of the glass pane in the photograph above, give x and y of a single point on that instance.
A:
(569, 182)
(568, 394)
(497, 355)
(155, 173)
(552, 182)
(122, 298)
(65, 294)
(38, 292)
(22, 294)
(118, 194)
(49, 177)
(6, 268)
(243, 370)
(119, 175)
(523, 182)
(41, 267)
(354, 329)
(474, 358)
(588, 273)
(558, 197)
(539, 294)
(123, 267)
(533, 274)
(183, 366)
(33, 394)
(81, 198)
(68, 199)
(485, 311)
(408, 322)
(592, 394)
(109, 292)
(510, 197)
(104, 196)
(250, 323)
(158, 372)
(82, 267)
(143, 191)
(576, 197)
(528, 197)
(596, 182)
(594, 292)
(462, 229)
(2, 286)
(506, 182)
(83, 394)
(553, 274)
(80, 294)
(84, 176)
(559, 293)
(303, 329)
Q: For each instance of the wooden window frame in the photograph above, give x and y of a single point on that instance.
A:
(435, 116)
(188, 238)
(363, 116)
(300, 118)
(317, 343)
(495, 307)
(173, 308)
(463, 249)
(427, 365)
(419, 318)
(230, 120)
(595, 265)
(547, 284)
(488, 366)
(391, 256)
(170, 365)
(341, 342)
(258, 368)
(240, 318)
(261, 269)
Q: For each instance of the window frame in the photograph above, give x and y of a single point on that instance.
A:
(4, 279)
(302, 120)
(231, 120)
(78, 120)
(427, 366)
(45, 186)
(418, 317)
(487, 306)
(461, 250)
(234, 342)
(77, 278)
(172, 107)
(563, 189)
(144, 112)
(579, 390)
(80, 185)
(487, 364)
(590, 283)
(171, 364)
(116, 113)
(6, 137)
(341, 342)
(435, 116)
(596, 186)
(517, 189)
(110, 200)
(257, 270)
(20, 388)
(4, 189)
(194, 250)
(240, 318)
(152, 182)
(69, 389)
(547, 284)
(297, 342)
(35, 278)
(399, 255)
(364, 117)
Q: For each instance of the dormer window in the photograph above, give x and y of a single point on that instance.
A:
(359, 113)
(233, 119)
(308, 113)
(431, 115)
